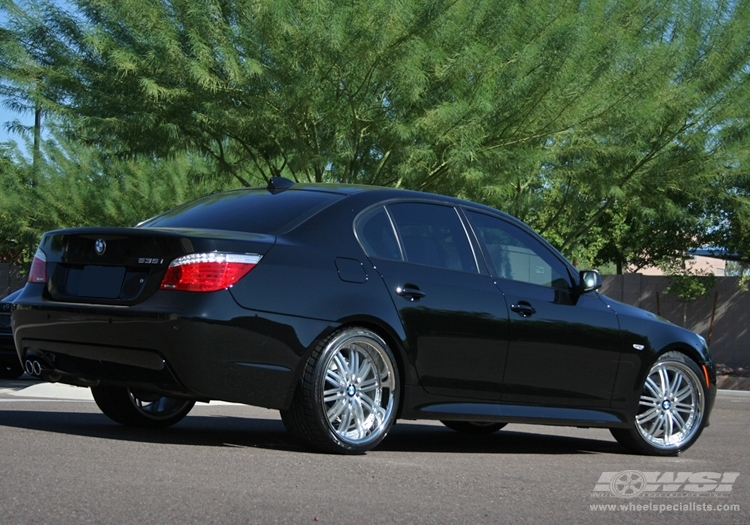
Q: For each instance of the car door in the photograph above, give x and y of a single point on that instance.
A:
(563, 344)
(455, 319)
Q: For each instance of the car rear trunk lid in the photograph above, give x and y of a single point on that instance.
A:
(124, 266)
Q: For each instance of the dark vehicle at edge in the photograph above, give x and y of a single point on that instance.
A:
(346, 308)
(10, 366)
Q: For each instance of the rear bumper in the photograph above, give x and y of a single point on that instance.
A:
(170, 344)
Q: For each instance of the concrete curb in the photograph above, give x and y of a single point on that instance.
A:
(734, 383)
(63, 392)
(733, 393)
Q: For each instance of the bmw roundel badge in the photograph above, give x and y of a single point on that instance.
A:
(100, 246)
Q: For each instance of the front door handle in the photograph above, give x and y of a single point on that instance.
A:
(523, 308)
(410, 292)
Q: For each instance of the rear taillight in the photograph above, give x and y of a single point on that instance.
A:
(207, 272)
(38, 271)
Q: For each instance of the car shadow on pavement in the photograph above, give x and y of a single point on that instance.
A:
(430, 438)
(232, 431)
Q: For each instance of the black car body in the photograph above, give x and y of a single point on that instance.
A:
(10, 366)
(359, 305)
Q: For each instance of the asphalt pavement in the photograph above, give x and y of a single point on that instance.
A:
(63, 462)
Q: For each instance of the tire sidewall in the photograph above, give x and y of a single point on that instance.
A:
(116, 403)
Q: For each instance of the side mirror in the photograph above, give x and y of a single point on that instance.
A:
(590, 280)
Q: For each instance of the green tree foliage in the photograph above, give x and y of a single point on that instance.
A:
(687, 282)
(74, 185)
(613, 127)
(16, 238)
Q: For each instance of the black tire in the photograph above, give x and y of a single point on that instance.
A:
(140, 409)
(11, 371)
(347, 399)
(476, 428)
(673, 398)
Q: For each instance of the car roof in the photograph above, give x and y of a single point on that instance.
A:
(382, 193)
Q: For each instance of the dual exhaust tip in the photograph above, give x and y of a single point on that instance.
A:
(42, 369)
(33, 367)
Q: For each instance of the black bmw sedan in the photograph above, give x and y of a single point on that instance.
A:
(349, 307)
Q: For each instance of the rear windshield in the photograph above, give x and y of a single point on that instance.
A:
(251, 210)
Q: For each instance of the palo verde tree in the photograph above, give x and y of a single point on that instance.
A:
(603, 124)
(16, 238)
(75, 185)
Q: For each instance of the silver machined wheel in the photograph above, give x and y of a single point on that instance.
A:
(671, 407)
(358, 388)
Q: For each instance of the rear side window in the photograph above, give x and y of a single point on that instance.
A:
(377, 236)
(433, 235)
(251, 211)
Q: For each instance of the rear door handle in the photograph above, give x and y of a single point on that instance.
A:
(410, 292)
(523, 308)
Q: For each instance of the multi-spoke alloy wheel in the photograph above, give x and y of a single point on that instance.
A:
(140, 409)
(671, 408)
(349, 394)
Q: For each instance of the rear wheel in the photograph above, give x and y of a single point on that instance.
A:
(347, 400)
(473, 427)
(140, 409)
(671, 410)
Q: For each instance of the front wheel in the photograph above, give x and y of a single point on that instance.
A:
(671, 411)
(347, 400)
(140, 409)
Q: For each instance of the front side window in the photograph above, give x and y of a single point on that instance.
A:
(514, 254)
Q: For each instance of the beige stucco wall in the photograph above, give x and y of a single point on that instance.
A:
(729, 340)
(698, 264)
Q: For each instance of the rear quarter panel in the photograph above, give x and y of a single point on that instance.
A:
(300, 277)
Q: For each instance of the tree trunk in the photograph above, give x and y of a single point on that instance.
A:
(37, 138)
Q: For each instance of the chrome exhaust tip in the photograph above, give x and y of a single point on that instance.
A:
(33, 367)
